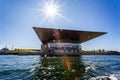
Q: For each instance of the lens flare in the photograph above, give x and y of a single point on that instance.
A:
(51, 10)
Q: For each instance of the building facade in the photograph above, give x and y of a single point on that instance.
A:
(61, 40)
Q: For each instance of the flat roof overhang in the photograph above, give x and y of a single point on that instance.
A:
(47, 35)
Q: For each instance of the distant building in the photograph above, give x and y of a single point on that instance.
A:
(4, 50)
(61, 40)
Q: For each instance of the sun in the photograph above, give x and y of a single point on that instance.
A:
(51, 10)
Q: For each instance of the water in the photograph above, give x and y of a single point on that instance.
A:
(35, 67)
(102, 66)
(14, 67)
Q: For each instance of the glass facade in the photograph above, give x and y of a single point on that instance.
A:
(64, 47)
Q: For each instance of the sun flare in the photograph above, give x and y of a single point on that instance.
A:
(51, 10)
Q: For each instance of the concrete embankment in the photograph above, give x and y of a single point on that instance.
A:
(57, 54)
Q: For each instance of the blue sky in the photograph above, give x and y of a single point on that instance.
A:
(17, 17)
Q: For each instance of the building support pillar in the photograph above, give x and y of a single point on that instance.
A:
(44, 48)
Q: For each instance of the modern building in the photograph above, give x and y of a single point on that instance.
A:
(61, 40)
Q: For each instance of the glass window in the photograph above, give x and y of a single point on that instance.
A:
(64, 45)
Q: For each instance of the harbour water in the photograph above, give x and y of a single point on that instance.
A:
(35, 67)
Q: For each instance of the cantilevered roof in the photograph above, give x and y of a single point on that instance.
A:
(61, 35)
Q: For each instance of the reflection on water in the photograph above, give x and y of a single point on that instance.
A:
(60, 68)
(95, 67)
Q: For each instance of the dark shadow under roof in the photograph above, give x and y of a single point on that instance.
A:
(61, 35)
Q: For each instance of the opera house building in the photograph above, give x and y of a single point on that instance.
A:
(61, 40)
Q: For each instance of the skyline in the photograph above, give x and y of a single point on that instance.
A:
(18, 17)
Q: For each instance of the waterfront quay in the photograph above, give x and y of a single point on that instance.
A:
(52, 54)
